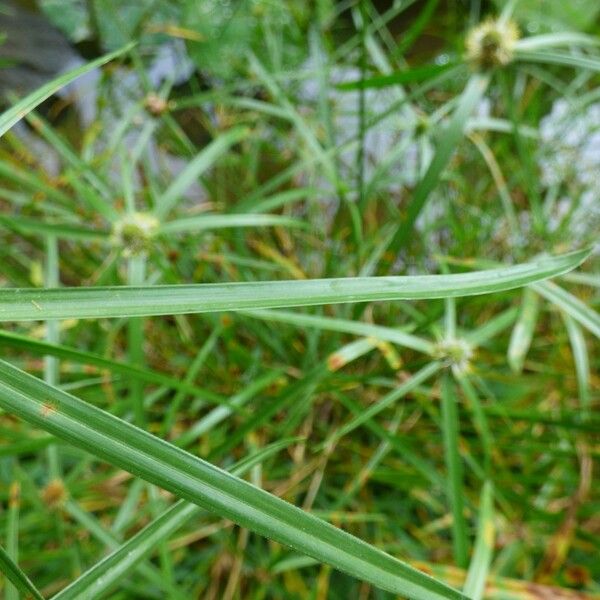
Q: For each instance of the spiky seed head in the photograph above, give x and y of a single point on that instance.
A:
(492, 43)
(134, 232)
(456, 352)
(55, 494)
(155, 104)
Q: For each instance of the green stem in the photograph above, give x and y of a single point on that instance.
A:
(450, 429)
(51, 363)
(136, 272)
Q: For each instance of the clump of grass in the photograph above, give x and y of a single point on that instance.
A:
(420, 417)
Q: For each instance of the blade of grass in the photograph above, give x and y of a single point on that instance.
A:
(450, 428)
(26, 105)
(503, 192)
(405, 388)
(12, 532)
(17, 577)
(96, 529)
(480, 335)
(65, 231)
(397, 78)
(204, 222)
(23, 304)
(303, 128)
(581, 360)
(552, 40)
(220, 413)
(479, 419)
(378, 332)
(448, 141)
(193, 479)
(105, 574)
(583, 279)
(484, 546)
(522, 333)
(560, 58)
(574, 307)
(196, 167)
(39, 348)
(194, 368)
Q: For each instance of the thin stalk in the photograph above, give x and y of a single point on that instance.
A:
(360, 158)
(450, 428)
(136, 272)
(51, 363)
(190, 376)
(12, 533)
(450, 318)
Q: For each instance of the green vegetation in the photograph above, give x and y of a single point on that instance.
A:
(300, 300)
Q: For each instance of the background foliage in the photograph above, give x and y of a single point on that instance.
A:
(272, 141)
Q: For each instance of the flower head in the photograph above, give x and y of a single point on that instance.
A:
(134, 232)
(492, 43)
(456, 352)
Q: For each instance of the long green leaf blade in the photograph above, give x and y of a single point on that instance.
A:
(378, 332)
(193, 479)
(404, 388)
(522, 333)
(484, 546)
(574, 307)
(106, 573)
(196, 167)
(591, 63)
(450, 138)
(24, 304)
(450, 429)
(17, 577)
(581, 360)
(65, 231)
(26, 105)
(206, 222)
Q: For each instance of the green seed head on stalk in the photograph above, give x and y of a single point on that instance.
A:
(134, 232)
(456, 352)
(492, 43)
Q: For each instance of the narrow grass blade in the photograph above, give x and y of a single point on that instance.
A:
(492, 327)
(583, 279)
(303, 128)
(193, 479)
(65, 231)
(401, 444)
(581, 360)
(196, 167)
(207, 222)
(20, 304)
(557, 39)
(448, 141)
(12, 532)
(70, 157)
(220, 413)
(561, 58)
(455, 489)
(39, 348)
(522, 333)
(397, 78)
(26, 105)
(574, 307)
(349, 353)
(479, 419)
(118, 564)
(378, 332)
(405, 388)
(17, 577)
(484, 546)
